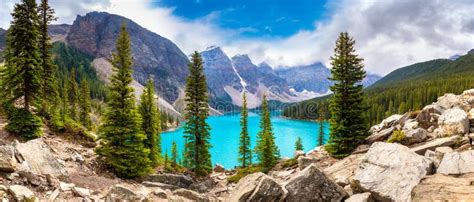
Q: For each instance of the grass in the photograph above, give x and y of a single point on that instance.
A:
(290, 163)
(242, 172)
(397, 136)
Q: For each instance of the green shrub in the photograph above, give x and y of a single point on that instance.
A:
(24, 123)
(242, 172)
(289, 163)
(397, 136)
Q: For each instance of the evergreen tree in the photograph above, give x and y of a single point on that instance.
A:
(299, 144)
(123, 147)
(22, 75)
(64, 102)
(73, 95)
(196, 112)
(50, 90)
(245, 153)
(85, 105)
(321, 127)
(266, 149)
(348, 123)
(150, 122)
(174, 153)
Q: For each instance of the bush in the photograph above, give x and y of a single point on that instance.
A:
(242, 172)
(397, 136)
(24, 123)
(290, 163)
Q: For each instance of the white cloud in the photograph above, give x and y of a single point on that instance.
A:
(388, 34)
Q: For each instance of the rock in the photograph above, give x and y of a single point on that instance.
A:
(453, 122)
(160, 185)
(443, 150)
(313, 185)
(188, 194)
(427, 116)
(66, 186)
(342, 171)
(181, 181)
(415, 135)
(82, 192)
(410, 124)
(299, 153)
(455, 163)
(52, 181)
(257, 187)
(123, 192)
(391, 121)
(390, 171)
(364, 197)
(440, 187)
(438, 142)
(7, 159)
(448, 101)
(54, 195)
(21, 193)
(219, 168)
(305, 161)
(77, 157)
(41, 160)
(380, 136)
(435, 157)
(33, 179)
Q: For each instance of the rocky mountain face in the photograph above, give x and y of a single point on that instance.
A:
(153, 55)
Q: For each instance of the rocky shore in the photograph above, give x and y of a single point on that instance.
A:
(418, 156)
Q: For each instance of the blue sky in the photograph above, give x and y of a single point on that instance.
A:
(263, 18)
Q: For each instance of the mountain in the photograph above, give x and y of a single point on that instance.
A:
(405, 89)
(153, 55)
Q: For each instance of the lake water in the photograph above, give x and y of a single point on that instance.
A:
(225, 132)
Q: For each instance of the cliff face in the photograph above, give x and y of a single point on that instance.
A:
(153, 55)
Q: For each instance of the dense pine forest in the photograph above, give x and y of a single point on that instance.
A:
(405, 89)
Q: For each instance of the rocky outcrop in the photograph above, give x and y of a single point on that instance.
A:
(7, 158)
(305, 161)
(390, 171)
(428, 116)
(416, 135)
(343, 171)
(182, 181)
(431, 145)
(453, 122)
(257, 187)
(39, 159)
(440, 187)
(311, 184)
(457, 163)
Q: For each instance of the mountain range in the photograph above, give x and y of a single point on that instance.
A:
(155, 56)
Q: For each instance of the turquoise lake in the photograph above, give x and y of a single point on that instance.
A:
(225, 132)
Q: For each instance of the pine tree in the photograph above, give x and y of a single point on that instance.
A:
(73, 95)
(245, 153)
(321, 127)
(150, 122)
(64, 102)
(299, 144)
(348, 123)
(123, 147)
(266, 149)
(196, 112)
(174, 153)
(85, 105)
(50, 91)
(22, 75)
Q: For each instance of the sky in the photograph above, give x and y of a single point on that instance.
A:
(389, 33)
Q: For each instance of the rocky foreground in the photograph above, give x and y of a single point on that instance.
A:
(432, 160)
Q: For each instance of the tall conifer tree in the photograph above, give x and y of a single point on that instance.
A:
(266, 149)
(348, 124)
(245, 153)
(174, 153)
(73, 95)
(22, 75)
(123, 147)
(150, 123)
(50, 90)
(196, 112)
(85, 105)
(321, 125)
(299, 144)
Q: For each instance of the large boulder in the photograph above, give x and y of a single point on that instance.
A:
(40, 158)
(21, 193)
(363, 197)
(390, 171)
(453, 122)
(305, 161)
(122, 192)
(342, 171)
(181, 181)
(257, 187)
(380, 135)
(448, 101)
(431, 145)
(455, 163)
(313, 185)
(189, 194)
(440, 187)
(428, 116)
(7, 159)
